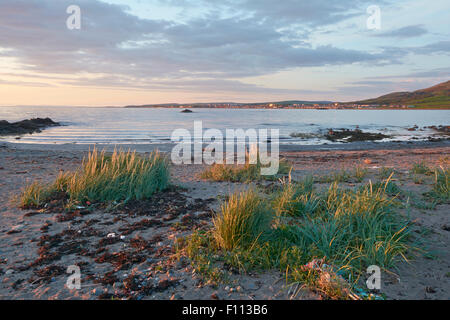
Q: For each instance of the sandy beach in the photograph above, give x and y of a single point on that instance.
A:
(128, 252)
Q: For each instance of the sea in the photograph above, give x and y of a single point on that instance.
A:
(93, 125)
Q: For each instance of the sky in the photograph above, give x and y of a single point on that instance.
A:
(184, 51)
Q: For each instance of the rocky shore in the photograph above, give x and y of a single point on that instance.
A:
(29, 126)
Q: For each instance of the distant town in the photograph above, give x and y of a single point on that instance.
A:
(435, 97)
(279, 105)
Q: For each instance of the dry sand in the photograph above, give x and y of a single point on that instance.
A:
(36, 248)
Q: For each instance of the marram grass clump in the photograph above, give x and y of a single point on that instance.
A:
(122, 176)
(441, 186)
(242, 220)
(242, 173)
(348, 230)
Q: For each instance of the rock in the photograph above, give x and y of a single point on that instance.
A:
(163, 284)
(187, 111)
(26, 126)
(430, 290)
(214, 296)
(251, 286)
(15, 229)
(97, 292)
(347, 135)
(9, 272)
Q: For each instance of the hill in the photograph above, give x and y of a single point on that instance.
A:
(437, 96)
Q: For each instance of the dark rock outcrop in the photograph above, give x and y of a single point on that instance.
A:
(26, 126)
(353, 135)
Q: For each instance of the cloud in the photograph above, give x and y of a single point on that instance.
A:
(405, 32)
(440, 47)
(286, 12)
(114, 43)
(443, 73)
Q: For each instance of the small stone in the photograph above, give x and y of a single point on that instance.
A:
(238, 288)
(227, 288)
(176, 296)
(215, 296)
(9, 271)
(15, 229)
(430, 290)
(97, 292)
(163, 284)
(251, 286)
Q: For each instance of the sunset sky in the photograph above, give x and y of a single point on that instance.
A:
(161, 51)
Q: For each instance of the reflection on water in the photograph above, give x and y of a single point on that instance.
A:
(126, 126)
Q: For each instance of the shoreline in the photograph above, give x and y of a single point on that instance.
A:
(167, 147)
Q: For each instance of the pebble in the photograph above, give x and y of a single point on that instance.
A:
(215, 296)
(9, 271)
(97, 292)
(163, 284)
(251, 286)
(16, 229)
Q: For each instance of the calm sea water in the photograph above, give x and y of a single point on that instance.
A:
(143, 126)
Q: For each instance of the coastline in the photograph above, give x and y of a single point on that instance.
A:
(167, 147)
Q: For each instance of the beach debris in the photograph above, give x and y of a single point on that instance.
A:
(328, 280)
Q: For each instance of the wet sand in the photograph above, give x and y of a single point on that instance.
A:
(129, 253)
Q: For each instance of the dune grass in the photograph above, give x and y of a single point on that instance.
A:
(421, 168)
(242, 173)
(357, 175)
(243, 219)
(122, 176)
(349, 229)
(441, 186)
